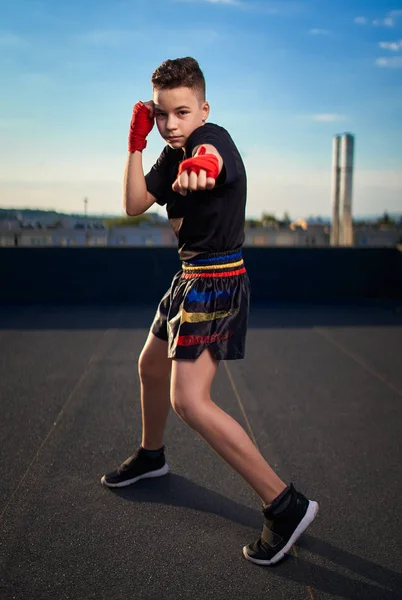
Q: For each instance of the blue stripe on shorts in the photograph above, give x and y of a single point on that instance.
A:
(215, 259)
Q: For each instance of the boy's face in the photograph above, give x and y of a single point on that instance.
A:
(178, 112)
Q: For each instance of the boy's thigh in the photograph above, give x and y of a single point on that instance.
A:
(191, 380)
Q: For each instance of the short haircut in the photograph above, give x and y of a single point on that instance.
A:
(180, 72)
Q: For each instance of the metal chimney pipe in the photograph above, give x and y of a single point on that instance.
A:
(346, 188)
(336, 174)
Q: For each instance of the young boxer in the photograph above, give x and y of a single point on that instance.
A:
(202, 318)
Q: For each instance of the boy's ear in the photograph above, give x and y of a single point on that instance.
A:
(205, 111)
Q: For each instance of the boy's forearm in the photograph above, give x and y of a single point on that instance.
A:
(135, 188)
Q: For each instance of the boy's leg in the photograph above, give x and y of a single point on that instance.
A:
(190, 395)
(287, 513)
(149, 459)
(154, 371)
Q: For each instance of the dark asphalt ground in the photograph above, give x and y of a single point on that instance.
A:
(320, 391)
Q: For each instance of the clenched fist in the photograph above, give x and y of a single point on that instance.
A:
(197, 173)
(141, 124)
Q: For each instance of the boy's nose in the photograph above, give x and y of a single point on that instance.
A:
(171, 123)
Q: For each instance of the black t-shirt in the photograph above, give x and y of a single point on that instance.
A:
(205, 221)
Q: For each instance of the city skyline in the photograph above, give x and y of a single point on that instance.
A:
(283, 78)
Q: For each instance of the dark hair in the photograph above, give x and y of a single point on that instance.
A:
(180, 72)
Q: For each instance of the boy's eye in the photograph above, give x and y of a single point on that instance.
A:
(182, 113)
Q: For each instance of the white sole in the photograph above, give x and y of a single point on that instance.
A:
(308, 518)
(158, 473)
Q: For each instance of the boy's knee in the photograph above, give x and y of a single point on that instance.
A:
(183, 408)
(149, 367)
(188, 408)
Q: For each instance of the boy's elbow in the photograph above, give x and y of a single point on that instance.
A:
(130, 212)
(127, 209)
(132, 209)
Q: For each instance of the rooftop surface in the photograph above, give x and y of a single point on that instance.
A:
(320, 391)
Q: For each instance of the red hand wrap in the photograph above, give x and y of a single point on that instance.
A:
(141, 125)
(203, 161)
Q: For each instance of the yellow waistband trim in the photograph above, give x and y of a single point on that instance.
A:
(210, 267)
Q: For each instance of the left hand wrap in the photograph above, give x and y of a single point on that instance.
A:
(203, 161)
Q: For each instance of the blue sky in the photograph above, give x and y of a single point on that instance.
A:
(282, 77)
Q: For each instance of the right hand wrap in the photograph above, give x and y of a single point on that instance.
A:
(140, 127)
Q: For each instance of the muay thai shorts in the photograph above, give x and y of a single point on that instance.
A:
(206, 306)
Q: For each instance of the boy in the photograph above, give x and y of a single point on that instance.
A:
(202, 319)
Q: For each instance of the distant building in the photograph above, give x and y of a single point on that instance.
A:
(299, 234)
(142, 236)
(296, 235)
(374, 237)
(342, 190)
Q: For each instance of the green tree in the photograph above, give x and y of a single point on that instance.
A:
(127, 221)
(268, 220)
(385, 220)
(252, 223)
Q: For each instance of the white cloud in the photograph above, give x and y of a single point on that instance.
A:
(387, 22)
(394, 62)
(327, 117)
(319, 32)
(394, 46)
(390, 19)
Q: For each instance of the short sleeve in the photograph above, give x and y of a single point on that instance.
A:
(221, 140)
(157, 180)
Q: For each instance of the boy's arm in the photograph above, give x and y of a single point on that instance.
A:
(199, 173)
(136, 198)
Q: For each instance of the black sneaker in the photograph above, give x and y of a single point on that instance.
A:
(282, 527)
(138, 466)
